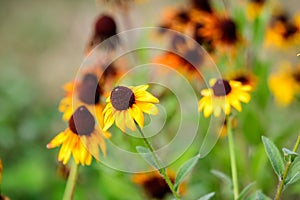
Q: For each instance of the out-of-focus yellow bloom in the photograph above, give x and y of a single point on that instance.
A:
(254, 8)
(285, 84)
(223, 94)
(127, 105)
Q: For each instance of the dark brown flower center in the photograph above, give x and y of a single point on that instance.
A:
(122, 98)
(291, 29)
(258, 1)
(156, 187)
(202, 5)
(89, 90)
(296, 76)
(105, 27)
(229, 31)
(82, 122)
(221, 88)
(243, 79)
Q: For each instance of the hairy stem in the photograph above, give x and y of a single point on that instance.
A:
(71, 183)
(285, 172)
(232, 159)
(162, 170)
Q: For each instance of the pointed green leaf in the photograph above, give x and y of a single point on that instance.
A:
(222, 176)
(261, 196)
(147, 155)
(207, 196)
(245, 191)
(294, 174)
(184, 170)
(288, 153)
(274, 156)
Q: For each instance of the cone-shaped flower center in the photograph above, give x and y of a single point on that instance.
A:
(203, 5)
(228, 28)
(221, 88)
(122, 98)
(89, 90)
(105, 27)
(82, 121)
(157, 187)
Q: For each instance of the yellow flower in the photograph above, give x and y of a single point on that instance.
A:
(126, 105)
(82, 139)
(285, 84)
(155, 185)
(254, 8)
(246, 77)
(222, 95)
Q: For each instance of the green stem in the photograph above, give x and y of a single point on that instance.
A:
(162, 170)
(285, 172)
(70, 187)
(232, 159)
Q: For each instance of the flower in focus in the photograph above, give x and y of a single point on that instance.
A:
(285, 84)
(155, 185)
(105, 27)
(82, 139)
(283, 31)
(223, 94)
(126, 105)
(254, 8)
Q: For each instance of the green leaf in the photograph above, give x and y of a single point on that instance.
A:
(245, 191)
(288, 153)
(294, 174)
(222, 176)
(184, 170)
(258, 196)
(147, 155)
(274, 156)
(207, 196)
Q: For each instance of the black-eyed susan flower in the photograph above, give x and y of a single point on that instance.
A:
(246, 77)
(86, 91)
(155, 185)
(105, 27)
(254, 8)
(81, 139)
(126, 105)
(223, 94)
(285, 83)
(202, 5)
(283, 31)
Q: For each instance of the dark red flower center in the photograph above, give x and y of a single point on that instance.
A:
(221, 87)
(202, 5)
(105, 27)
(229, 31)
(82, 122)
(156, 187)
(122, 98)
(89, 90)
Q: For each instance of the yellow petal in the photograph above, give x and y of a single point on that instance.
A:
(137, 114)
(120, 120)
(148, 108)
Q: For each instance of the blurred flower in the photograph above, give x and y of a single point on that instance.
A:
(223, 128)
(155, 185)
(254, 8)
(246, 77)
(283, 31)
(82, 139)
(202, 5)
(86, 91)
(285, 83)
(222, 95)
(105, 27)
(2, 197)
(126, 105)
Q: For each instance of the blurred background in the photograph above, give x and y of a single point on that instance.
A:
(42, 46)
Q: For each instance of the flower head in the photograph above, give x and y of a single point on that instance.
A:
(222, 95)
(82, 139)
(155, 185)
(126, 105)
(285, 84)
